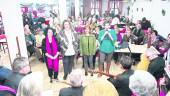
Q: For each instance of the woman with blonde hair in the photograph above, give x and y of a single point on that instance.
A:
(100, 88)
(31, 85)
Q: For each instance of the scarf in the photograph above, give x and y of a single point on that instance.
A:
(52, 64)
(6, 88)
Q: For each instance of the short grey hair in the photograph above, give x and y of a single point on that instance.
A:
(125, 61)
(31, 85)
(76, 78)
(142, 83)
(19, 63)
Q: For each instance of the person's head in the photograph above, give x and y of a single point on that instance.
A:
(138, 22)
(69, 19)
(168, 38)
(66, 25)
(87, 30)
(43, 25)
(76, 78)
(125, 61)
(31, 85)
(142, 83)
(138, 26)
(50, 32)
(116, 28)
(144, 19)
(100, 87)
(21, 65)
(106, 25)
(151, 53)
(39, 31)
(154, 33)
(26, 27)
(128, 30)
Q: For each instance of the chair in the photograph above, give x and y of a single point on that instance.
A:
(3, 41)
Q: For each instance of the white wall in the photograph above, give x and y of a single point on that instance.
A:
(153, 12)
(13, 25)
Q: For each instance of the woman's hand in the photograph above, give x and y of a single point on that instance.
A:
(56, 55)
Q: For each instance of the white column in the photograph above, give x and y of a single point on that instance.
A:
(13, 25)
(62, 10)
(77, 8)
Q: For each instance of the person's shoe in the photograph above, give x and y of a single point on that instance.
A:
(51, 80)
(56, 79)
(91, 74)
(86, 73)
(65, 77)
(41, 60)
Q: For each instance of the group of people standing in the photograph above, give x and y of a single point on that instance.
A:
(65, 43)
(68, 44)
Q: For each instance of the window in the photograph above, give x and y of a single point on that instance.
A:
(114, 6)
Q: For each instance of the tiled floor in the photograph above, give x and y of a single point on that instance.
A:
(56, 86)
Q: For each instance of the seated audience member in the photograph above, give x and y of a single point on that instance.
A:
(165, 82)
(30, 40)
(100, 87)
(4, 72)
(128, 36)
(121, 81)
(31, 85)
(144, 63)
(157, 64)
(118, 34)
(145, 24)
(39, 38)
(142, 83)
(138, 32)
(167, 55)
(20, 68)
(154, 37)
(76, 80)
(147, 37)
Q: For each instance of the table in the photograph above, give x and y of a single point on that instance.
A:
(136, 51)
(139, 49)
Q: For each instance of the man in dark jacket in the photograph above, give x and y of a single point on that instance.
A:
(20, 68)
(139, 33)
(76, 81)
(157, 64)
(121, 81)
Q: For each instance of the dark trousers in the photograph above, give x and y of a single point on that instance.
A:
(31, 49)
(86, 60)
(51, 72)
(68, 62)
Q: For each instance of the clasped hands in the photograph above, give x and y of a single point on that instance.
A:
(107, 33)
(52, 57)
